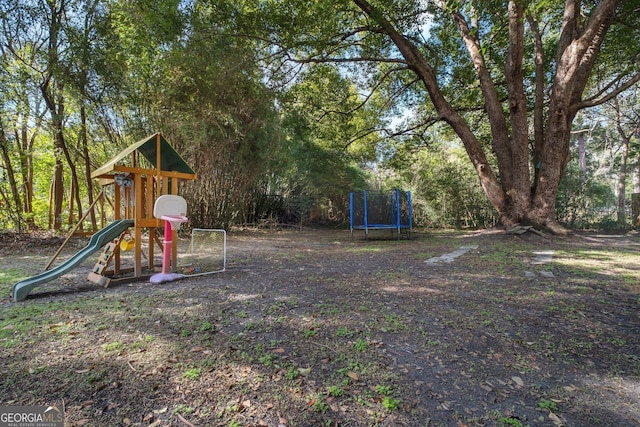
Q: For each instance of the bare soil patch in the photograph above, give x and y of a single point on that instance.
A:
(313, 328)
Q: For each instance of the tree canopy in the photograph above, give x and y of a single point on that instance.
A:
(298, 100)
(507, 77)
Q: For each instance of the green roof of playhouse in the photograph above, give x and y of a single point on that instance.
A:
(152, 148)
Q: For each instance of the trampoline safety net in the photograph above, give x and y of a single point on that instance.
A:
(370, 210)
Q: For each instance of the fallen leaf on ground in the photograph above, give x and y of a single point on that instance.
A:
(304, 371)
(555, 419)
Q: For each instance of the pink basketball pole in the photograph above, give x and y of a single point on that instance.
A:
(167, 275)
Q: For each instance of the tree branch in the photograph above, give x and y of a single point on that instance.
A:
(373, 90)
(601, 97)
(389, 134)
(320, 60)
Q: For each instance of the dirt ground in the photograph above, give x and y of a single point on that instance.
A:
(314, 328)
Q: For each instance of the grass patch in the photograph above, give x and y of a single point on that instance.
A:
(8, 277)
(192, 374)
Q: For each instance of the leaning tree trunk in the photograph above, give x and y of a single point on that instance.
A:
(87, 164)
(52, 89)
(25, 146)
(14, 212)
(57, 196)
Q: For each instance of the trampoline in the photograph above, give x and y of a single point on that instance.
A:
(378, 210)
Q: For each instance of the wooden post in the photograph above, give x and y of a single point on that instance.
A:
(117, 201)
(174, 237)
(150, 198)
(158, 156)
(138, 209)
(103, 217)
(158, 163)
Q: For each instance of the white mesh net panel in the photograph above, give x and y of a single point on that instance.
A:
(207, 253)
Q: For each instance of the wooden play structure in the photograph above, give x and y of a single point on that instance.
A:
(137, 176)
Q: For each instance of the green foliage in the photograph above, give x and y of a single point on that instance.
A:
(206, 326)
(309, 333)
(317, 403)
(241, 90)
(192, 374)
(345, 332)
(354, 36)
(322, 115)
(390, 404)
(335, 391)
(360, 344)
(548, 404)
(510, 421)
(113, 347)
(384, 390)
(586, 198)
(292, 373)
(445, 189)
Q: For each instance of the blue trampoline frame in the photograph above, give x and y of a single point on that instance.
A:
(395, 215)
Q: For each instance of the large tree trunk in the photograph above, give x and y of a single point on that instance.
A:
(51, 91)
(61, 147)
(25, 146)
(57, 196)
(87, 164)
(11, 176)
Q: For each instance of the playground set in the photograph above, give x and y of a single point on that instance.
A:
(145, 180)
(381, 210)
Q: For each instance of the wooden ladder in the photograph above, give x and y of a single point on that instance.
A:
(96, 276)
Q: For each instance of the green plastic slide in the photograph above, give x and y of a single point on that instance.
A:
(98, 240)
